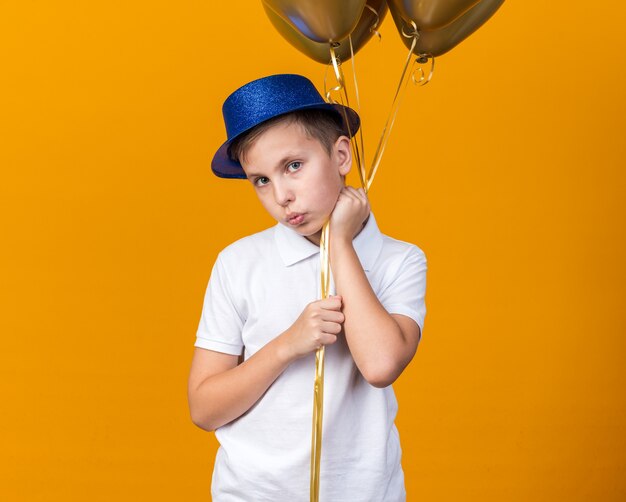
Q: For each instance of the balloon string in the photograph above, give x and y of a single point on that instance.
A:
(344, 100)
(360, 161)
(318, 390)
(366, 183)
(344, 96)
(395, 106)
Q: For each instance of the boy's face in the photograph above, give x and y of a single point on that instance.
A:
(296, 180)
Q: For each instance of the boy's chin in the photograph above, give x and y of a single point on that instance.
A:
(314, 237)
(312, 233)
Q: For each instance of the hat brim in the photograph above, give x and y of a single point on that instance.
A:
(224, 167)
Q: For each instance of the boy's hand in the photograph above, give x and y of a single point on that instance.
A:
(350, 212)
(319, 324)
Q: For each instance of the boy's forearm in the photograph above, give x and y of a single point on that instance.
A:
(376, 341)
(223, 397)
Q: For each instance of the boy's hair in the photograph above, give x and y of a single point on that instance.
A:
(323, 125)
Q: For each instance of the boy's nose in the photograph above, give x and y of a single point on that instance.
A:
(283, 194)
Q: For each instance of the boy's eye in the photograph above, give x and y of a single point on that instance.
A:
(294, 166)
(262, 180)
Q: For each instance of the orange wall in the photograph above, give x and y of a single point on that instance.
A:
(507, 169)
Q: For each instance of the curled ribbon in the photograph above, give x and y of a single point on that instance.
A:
(375, 25)
(423, 79)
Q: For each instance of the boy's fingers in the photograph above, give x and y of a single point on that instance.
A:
(356, 193)
(333, 316)
(350, 191)
(331, 327)
(354, 190)
(330, 339)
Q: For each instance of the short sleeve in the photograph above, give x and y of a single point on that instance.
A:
(220, 323)
(406, 293)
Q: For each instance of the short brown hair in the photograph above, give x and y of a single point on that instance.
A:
(323, 125)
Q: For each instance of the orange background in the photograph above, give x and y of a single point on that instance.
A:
(507, 170)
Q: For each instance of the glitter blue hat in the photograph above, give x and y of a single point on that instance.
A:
(266, 98)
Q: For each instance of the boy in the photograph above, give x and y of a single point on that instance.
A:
(252, 373)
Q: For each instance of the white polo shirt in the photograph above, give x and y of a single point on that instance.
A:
(258, 287)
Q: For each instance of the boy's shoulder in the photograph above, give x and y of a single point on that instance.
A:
(397, 249)
(382, 254)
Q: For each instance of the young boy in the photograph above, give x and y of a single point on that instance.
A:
(252, 373)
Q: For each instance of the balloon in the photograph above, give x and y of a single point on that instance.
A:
(319, 20)
(320, 51)
(432, 14)
(440, 41)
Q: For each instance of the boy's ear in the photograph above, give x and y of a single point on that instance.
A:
(343, 154)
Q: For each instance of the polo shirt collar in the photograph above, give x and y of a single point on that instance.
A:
(292, 247)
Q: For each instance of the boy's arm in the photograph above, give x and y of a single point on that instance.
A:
(220, 390)
(381, 344)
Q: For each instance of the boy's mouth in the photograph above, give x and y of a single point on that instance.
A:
(295, 218)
